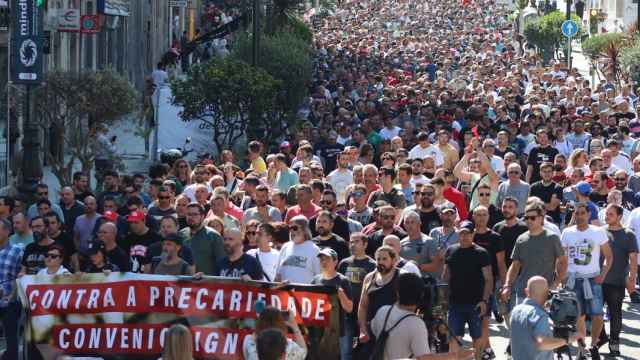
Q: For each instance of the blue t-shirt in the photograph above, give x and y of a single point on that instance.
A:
(528, 321)
(245, 265)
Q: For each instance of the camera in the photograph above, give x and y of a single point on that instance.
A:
(564, 310)
(434, 307)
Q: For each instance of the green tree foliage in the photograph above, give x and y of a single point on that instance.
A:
(230, 96)
(630, 61)
(596, 45)
(546, 33)
(72, 106)
(287, 58)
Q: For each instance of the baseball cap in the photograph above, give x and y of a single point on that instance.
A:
(284, 145)
(583, 188)
(446, 207)
(634, 126)
(328, 252)
(466, 226)
(110, 216)
(379, 204)
(95, 247)
(136, 216)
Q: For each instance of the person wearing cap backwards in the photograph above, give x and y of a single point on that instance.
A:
(98, 260)
(170, 263)
(467, 270)
(583, 191)
(138, 240)
(330, 277)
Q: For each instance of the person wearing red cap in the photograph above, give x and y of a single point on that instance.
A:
(137, 242)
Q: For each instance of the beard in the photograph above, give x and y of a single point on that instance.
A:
(323, 232)
(383, 269)
(228, 249)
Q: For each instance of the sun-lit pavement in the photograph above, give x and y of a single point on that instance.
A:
(629, 339)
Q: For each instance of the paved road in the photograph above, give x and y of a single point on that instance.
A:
(629, 340)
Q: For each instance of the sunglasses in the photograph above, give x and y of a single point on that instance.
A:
(294, 228)
(164, 197)
(514, 173)
(251, 233)
(52, 256)
(485, 194)
(43, 193)
(426, 193)
(358, 194)
(621, 179)
(531, 217)
(325, 202)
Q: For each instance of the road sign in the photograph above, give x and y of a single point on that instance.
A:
(178, 3)
(569, 28)
(90, 24)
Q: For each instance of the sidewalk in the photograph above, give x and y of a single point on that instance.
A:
(130, 148)
(579, 61)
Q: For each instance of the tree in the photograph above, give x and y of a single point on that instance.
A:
(72, 106)
(229, 95)
(287, 58)
(596, 45)
(630, 61)
(546, 33)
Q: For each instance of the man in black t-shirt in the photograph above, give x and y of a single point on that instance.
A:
(468, 272)
(237, 264)
(510, 228)
(493, 243)
(326, 238)
(108, 235)
(386, 219)
(329, 277)
(62, 238)
(137, 242)
(548, 191)
(541, 153)
(34, 253)
(355, 268)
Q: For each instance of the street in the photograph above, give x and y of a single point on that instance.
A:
(629, 339)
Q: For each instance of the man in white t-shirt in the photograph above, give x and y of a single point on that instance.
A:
(266, 255)
(424, 149)
(341, 177)
(298, 261)
(583, 244)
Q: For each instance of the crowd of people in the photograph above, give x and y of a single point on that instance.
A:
(435, 149)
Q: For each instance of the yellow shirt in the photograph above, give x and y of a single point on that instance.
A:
(259, 166)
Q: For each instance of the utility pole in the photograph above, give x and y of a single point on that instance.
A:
(567, 51)
(256, 33)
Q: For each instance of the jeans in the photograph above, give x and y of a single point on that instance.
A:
(593, 306)
(346, 343)
(613, 297)
(10, 317)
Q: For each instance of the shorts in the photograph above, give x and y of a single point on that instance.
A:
(593, 306)
(461, 314)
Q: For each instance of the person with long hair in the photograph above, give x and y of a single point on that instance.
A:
(250, 240)
(178, 343)
(578, 159)
(269, 318)
(181, 174)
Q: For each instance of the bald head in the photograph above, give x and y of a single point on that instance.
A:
(538, 288)
(392, 241)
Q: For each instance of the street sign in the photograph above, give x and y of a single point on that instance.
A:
(69, 20)
(90, 24)
(26, 42)
(569, 28)
(177, 3)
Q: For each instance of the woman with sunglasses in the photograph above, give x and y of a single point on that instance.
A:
(181, 174)
(53, 261)
(250, 240)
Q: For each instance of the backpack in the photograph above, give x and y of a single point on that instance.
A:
(381, 339)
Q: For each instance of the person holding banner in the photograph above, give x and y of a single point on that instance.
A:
(237, 264)
(298, 261)
(330, 277)
(53, 260)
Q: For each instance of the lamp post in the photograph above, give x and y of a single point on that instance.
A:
(256, 33)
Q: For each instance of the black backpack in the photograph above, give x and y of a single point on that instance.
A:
(381, 339)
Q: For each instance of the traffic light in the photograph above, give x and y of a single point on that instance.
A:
(41, 3)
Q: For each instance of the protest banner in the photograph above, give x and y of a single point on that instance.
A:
(126, 315)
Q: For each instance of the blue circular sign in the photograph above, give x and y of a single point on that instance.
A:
(569, 28)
